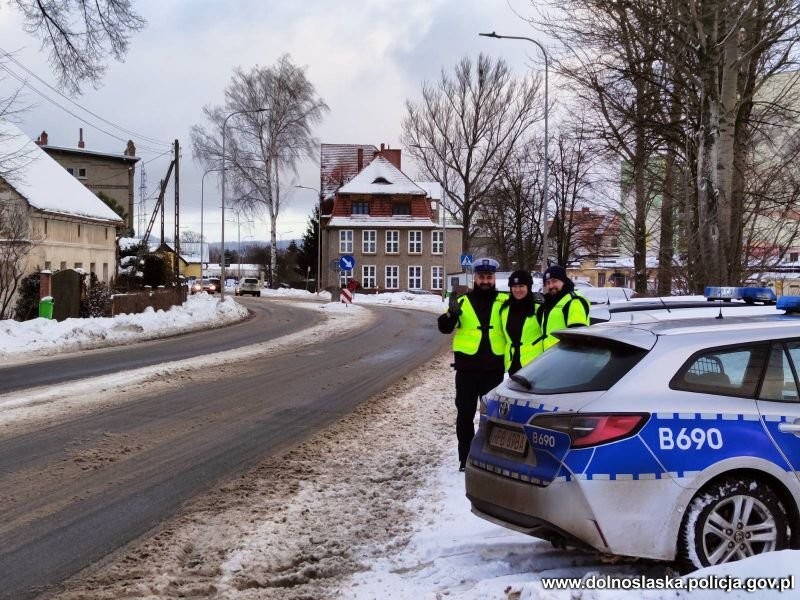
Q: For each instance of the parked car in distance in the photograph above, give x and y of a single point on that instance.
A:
(216, 283)
(248, 285)
(674, 440)
(204, 285)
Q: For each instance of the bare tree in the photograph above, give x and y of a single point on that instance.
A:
(511, 213)
(79, 35)
(262, 146)
(16, 244)
(465, 128)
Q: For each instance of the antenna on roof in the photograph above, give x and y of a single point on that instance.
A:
(664, 304)
(719, 316)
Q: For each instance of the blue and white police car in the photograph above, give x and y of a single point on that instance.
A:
(674, 440)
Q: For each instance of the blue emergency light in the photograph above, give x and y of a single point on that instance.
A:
(791, 304)
(748, 294)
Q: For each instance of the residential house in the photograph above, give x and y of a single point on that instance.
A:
(69, 227)
(388, 223)
(111, 175)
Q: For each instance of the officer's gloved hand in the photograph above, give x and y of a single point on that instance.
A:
(538, 297)
(454, 308)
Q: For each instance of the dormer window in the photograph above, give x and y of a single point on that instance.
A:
(382, 181)
(401, 208)
(359, 208)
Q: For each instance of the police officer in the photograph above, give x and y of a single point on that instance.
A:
(563, 307)
(479, 347)
(518, 315)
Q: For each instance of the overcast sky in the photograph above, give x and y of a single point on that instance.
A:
(365, 58)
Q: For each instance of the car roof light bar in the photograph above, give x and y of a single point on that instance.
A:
(791, 304)
(753, 294)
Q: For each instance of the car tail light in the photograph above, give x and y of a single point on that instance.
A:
(593, 429)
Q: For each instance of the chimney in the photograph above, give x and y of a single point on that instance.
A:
(360, 163)
(80, 139)
(42, 140)
(381, 147)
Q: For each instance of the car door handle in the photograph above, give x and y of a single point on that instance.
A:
(790, 427)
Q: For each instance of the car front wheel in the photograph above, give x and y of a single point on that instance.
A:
(729, 520)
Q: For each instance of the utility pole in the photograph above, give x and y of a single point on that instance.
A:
(176, 259)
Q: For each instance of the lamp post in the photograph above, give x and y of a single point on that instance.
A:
(202, 200)
(545, 228)
(239, 240)
(319, 232)
(224, 125)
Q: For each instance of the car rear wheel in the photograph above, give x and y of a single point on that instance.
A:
(729, 520)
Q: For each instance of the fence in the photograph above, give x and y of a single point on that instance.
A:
(159, 299)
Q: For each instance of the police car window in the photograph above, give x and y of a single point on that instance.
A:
(579, 366)
(780, 376)
(724, 371)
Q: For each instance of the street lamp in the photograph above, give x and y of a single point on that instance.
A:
(239, 240)
(222, 261)
(319, 232)
(202, 200)
(545, 232)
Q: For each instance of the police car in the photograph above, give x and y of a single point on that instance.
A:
(675, 440)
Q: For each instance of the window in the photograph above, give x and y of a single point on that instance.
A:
(63, 265)
(437, 278)
(393, 242)
(47, 265)
(368, 276)
(369, 241)
(614, 242)
(92, 268)
(45, 227)
(601, 280)
(79, 231)
(344, 277)
(792, 256)
(779, 383)
(392, 277)
(78, 265)
(81, 173)
(437, 242)
(105, 271)
(415, 278)
(723, 371)
(71, 171)
(359, 208)
(346, 241)
(572, 366)
(401, 208)
(106, 232)
(415, 242)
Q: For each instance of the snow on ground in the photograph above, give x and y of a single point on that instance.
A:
(371, 507)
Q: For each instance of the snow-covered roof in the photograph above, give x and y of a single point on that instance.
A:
(44, 183)
(432, 188)
(381, 177)
(112, 155)
(395, 222)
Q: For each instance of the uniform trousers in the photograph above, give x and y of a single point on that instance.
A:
(470, 386)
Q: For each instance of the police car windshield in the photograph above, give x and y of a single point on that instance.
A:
(578, 366)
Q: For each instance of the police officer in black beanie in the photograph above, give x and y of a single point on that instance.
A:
(518, 315)
(563, 306)
(479, 347)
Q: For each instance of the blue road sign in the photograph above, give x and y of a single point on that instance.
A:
(466, 260)
(347, 263)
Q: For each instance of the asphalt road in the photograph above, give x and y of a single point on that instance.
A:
(273, 320)
(75, 491)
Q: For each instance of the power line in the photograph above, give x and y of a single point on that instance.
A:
(27, 84)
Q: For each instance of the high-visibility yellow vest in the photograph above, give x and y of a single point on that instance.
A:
(468, 334)
(571, 310)
(531, 333)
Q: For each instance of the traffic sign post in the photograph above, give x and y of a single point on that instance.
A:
(466, 261)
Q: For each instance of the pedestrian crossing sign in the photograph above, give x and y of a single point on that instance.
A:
(466, 261)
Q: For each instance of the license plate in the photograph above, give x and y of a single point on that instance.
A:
(510, 440)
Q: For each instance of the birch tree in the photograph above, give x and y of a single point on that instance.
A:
(262, 146)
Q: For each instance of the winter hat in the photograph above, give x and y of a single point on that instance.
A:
(556, 272)
(521, 278)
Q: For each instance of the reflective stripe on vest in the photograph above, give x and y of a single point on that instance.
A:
(468, 334)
